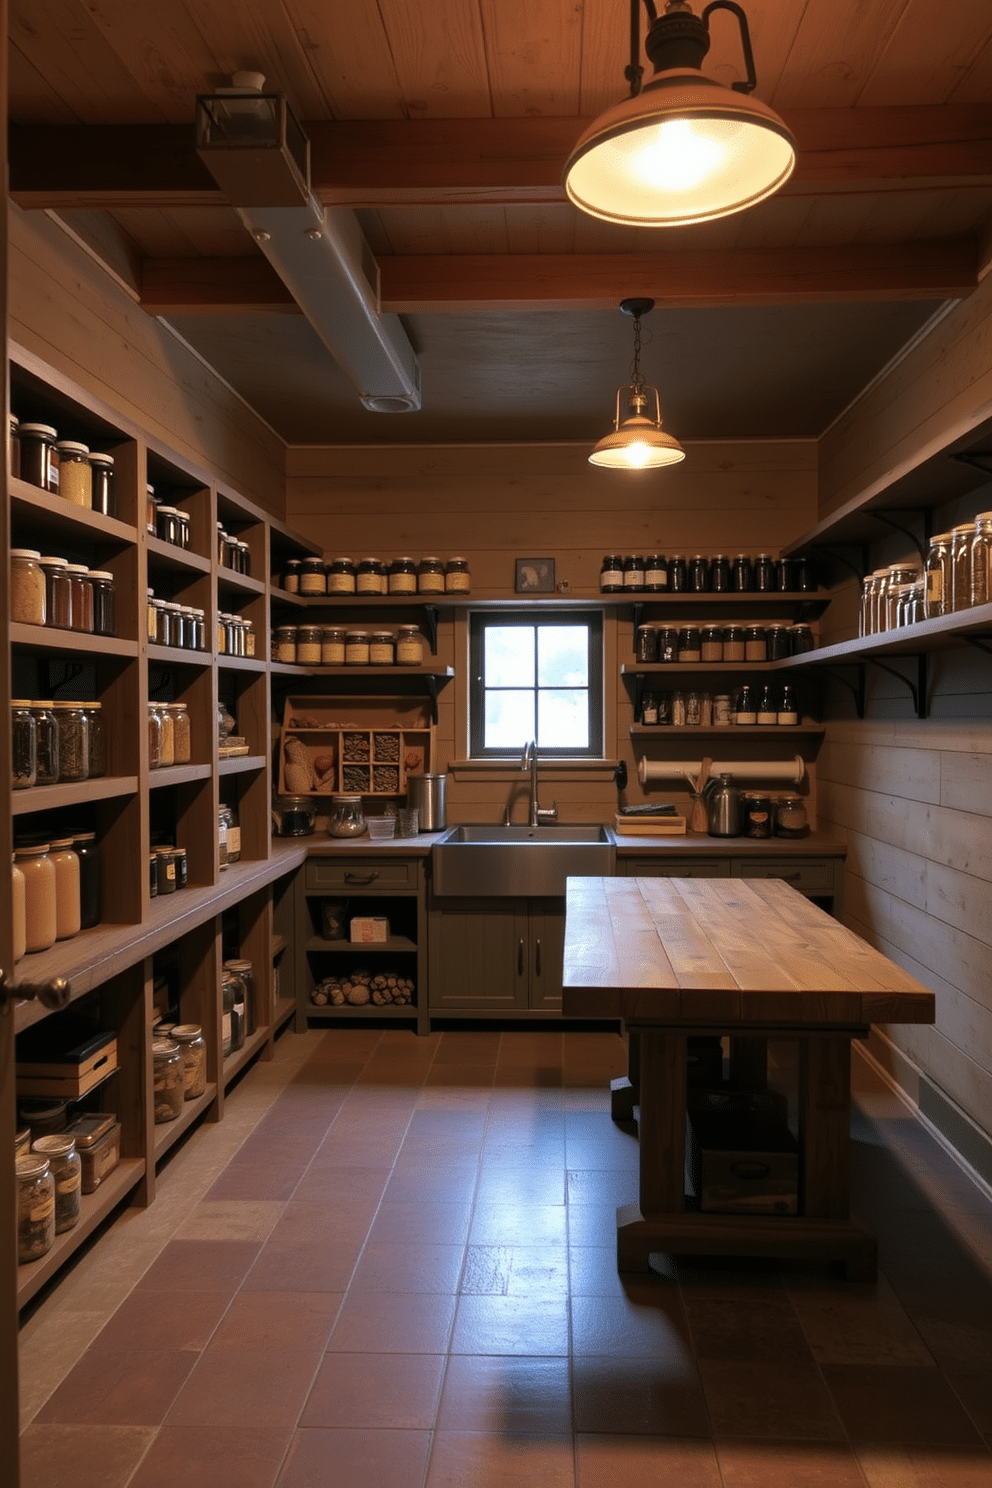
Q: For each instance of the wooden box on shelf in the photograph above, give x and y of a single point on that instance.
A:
(361, 744)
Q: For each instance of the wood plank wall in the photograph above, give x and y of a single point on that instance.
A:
(74, 316)
(493, 504)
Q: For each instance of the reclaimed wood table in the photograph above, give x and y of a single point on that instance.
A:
(753, 959)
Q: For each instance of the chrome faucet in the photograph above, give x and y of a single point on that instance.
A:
(536, 814)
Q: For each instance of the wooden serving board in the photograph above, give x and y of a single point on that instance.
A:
(650, 826)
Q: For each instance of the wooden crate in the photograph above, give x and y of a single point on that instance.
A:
(364, 744)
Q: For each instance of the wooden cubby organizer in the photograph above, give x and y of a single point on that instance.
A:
(245, 909)
(342, 743)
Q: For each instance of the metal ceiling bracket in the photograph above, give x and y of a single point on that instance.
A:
(857, 690)
(918, 690)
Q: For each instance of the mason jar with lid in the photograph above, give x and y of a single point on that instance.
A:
(646, 643)
(690, 643)
(74, 741)
(430, 576)
(382, 648)
(242, 556)
(182, 745)
(668, 643)
(308, 645)
(87, 850)
(711, 643)
(183, 528)
(243, 968)
(698, 574)
(24, 745)
(371, 577)
(75, 475)
(104, 609)
(346, 818)
(740, 574)
(102, 484)
(655, 573)
(734, 642)
(28, 595)
(229, 816)
(457, 577)
(779, 645)
(633, 573)
(97, 739)
(46, 742)
(154, 737)
(39, 461)
(284, 648)
(166, 871)
(167, 524)
(866, 607)
(409, 646)
(755, 643)
(961, 540)
(234, 997)
(785, 575)
(58, 592)
(82, 596)
(356, 648)
(611, 574)
(678, 573)
(168, 1080)
(899, 575)
(764, 577)
(291, 576)
(40, 920)
(981, 560)
(312, 580)
(14, 445)
(402, 578)
(801, 639)
(938, 576)
(193, 1047)
(66, 1170)
(340, 576)
(331, 646)
(35, 1207)
(720, 581)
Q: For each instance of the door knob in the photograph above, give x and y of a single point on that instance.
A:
(53, 994)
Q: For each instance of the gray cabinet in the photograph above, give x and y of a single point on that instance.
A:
(820, 879)
(499, 956)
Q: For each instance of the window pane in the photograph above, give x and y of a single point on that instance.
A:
(509, 659)
(563, 656)
(509, 719)
(563, 719)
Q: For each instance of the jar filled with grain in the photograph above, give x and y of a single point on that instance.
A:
(312, 579)
(102, 477)
(962, 537)
(166, 876)
(339, 576)
(755, 643)
(182, 744)
(290, 580)
(39, 895)
(409, 646)
(308, 645)
(35, 1207)
(193, 1047)
(356, 648)
(457, 576)
(402, 576)
(68, 912)
(430, 576)
(24, 745)
(39, 461)
(734, 642)
(58, 592)
(284, 647)
(97, 740)
(371, 577)
(168, 1080)
(168, 750)
(75, 474)
(28, 602)
(332, 644)
(981, 560)
(66, 1171)
(74, 741)
(46, 743)
(82, 597)
(382, 648)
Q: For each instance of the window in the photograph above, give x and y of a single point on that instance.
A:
(537, 674)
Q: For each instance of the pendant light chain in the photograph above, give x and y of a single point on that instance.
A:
(636, 375)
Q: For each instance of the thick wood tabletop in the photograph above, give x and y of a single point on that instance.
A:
(724, 951)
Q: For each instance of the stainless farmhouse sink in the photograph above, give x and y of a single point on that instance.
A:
(494, 861)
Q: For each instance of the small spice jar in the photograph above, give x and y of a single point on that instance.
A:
(312, 578)
(633, 573)
(690, 643)
(339, 576)
(356, 648)
(611, 574)
(711, 643)
(241, 554)
(167, 524)
(332, 646)
(104, 609)
(646, 644)
(90, 905)
(409, 646)
(28, 594)
(382, 648)
(778, 642)
(66, 1170)
(24, 745)
(291, 576)
(182, 743)
(402, 576)
(58, 592)
(757, 814)
(734, 642)
(46, 743)
(668, 643)
(166, 877)
(75, 475)
(168, 1080)
(655, 573)
(740, 574)
(755, 643)
(801, 639)
(102, 484)
(68, 914)
(430, 576)
(457, 577)
(82, 597)
(698, 574)
(35, 1207)
(193, 1047)
(152, 876)
(308, 645)
(183, 527)
(284, 647)
(371, 577)
(74, 741)
(39, 895)
(39, 462)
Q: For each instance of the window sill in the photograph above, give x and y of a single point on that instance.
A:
(548, 769)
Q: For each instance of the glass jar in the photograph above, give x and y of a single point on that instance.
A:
(68, 912)
(746, 712)
(720, 582)
(284, 648)
(168, 750)
(371, 577)
(734, 642)
(104, 613)
(457, 578)
(193, 1048)
(166, 877)
(233, 997)
(678, 710)
(291, 576)
(75, 475)
(722, 711)
(678, 574)
(340, 576)
(804, 575)
(866, 608)
(182, 867)
(668, 643)
(346, 818)
(711, 643)
(655, 573)
(777, 641)
(46, 743)
(763, 574)
(649, 709)
(981, 560)
(308, 645)
(698, 574)
(28, 594)
(409, 646)
(230, 814)
(740, 574)
(788, 709)
(757, 814)
(790, 819)
(801, 639)
(74, 741)
(382, 648)
(245, 971)
(430, 576)
(785, 575)
(167, 524)
(962, 537)
(899, 575)
(332, 646)
(102, 484)
(611, 574)
(767, 709)
(97, 741)
(690, 643)
(182, 528)
(938, 576)
(82, 597)
(693, 709)
(39, 461)
(168, 1080)
(755, 643)
(151, 510)
(14, 445)
(646, 644)
(154, 737)
(66, 1170)
(152, 876)
(35, 1207)
(24, 745)
(90, 897)
(182, 742)
(18, 915)
(198, 637)
(40, 922)
(402, 576)
(58, 592)
(356, 648)
(242, 557)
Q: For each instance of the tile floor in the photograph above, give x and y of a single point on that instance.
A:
(392, 1266)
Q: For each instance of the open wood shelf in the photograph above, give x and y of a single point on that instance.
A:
(328, 1014)
(54, 515)
(395, 943)
(241, 663)
(168, 555)
(73, 793)
(241, 764)
(938, 634)
(168, 1133)
(75, 642)
(177, 775)
(94, 1209)
(252, 1045)
(239, 583)
(177, 656)
(738, 731)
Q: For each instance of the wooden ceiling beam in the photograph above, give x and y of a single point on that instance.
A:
(490, 282)
(375, 163)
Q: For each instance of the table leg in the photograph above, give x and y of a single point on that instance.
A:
(625, 1089)
(661, 1134)
(748, 1063)
(825, 1124)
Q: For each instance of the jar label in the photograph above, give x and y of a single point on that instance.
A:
(340, 583)
(233, 841)
(431, 583)
(458, 583)
(42, 1212)
(370, 583)
(70, 1184)
(403, 583)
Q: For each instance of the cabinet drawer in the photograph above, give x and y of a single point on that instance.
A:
(808, 875)
(665, 867)
(363, 874)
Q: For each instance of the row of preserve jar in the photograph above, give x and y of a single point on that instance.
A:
(692, 643)
(376, 576)
(55, 890)
(62, 466)
(49, 590)
(54, 1168)
(56, 742)
(957, 576)
(322, 645)
(653, 573)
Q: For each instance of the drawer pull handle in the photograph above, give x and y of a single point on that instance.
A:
(792, 877)
(537, 958)
(362, 878)
(520, 958)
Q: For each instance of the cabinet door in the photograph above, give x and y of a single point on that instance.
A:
(665, 867)
(546, 950)
(478, 955)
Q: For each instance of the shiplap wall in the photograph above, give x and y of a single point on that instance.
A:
(71, 314)
(496, 503)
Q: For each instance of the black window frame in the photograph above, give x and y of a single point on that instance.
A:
(535, 616)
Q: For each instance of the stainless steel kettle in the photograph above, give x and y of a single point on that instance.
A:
(724, 812)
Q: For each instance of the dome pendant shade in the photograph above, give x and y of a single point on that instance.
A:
(637, 443)
(686, 149)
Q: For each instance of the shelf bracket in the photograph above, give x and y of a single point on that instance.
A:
(856, 689)
(430, 683)
(978, 459)
(920, 544)
(917, 689)
(638, 610)
(980, 642)
(60, 674)
(430, 620)
(838, 555)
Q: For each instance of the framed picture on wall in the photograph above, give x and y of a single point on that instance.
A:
(535, 576)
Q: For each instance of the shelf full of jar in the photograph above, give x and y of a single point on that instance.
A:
(938, 634)
(52, 516)
(806, 729)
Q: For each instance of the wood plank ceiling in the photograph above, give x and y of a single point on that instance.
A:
(445, 124)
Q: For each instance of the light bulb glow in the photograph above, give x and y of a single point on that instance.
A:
(636, 455)
(676, 157)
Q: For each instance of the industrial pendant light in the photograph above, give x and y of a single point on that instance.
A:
(685, 148)
(637, 442)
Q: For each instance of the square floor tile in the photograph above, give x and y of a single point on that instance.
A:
(239, 1455)
(409, 1268)
(280, 1322)
(638, 1397)
(482, 1460)
(357, 1459)
(511, 1325)
(393, 1323)
(244, 1384)
(95, 1456)
(606, 1461)
(186, 1266)
(310, 1265)
(145, 1320)
(778, 1400)
(788, 1464)
(132, 1388)
(507, 1395)
(436, 1223)
(515, 1270)
(925, 1467)
(886, 1403)
(398, 1392)
(624, 1328)
(753, 1328)
(521, 1224)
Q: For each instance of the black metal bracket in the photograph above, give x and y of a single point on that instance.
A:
(430, 683)
(430, 620)
(920, 544)
(60, 674)
(980, 642)
(978, 459)
(857, 690)
(838, 555)
(917, 689)
(638, 611)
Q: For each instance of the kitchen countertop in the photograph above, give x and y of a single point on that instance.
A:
(693, 844)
